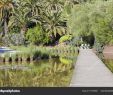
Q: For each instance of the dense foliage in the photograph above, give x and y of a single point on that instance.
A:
(36, 35)
(93, 21)
(21, 16)
(45, 22)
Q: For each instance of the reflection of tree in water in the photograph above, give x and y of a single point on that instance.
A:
(66, 60)
(44, 73)
(69, 60)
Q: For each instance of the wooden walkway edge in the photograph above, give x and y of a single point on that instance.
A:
(90, 71)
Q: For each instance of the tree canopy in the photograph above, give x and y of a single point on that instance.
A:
(93, 18)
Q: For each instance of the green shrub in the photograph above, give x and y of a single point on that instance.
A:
(65, 38)
(37, 36)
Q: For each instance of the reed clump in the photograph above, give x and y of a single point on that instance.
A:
(33, 53)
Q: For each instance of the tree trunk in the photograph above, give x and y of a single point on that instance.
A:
(23, 30)
(5, 31)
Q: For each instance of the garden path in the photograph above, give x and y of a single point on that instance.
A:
(90, 71)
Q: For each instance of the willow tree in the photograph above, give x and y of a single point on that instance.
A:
(101, 22)
(92, 20)
(78, 23)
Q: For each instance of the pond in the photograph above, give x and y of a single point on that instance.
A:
(54, 72)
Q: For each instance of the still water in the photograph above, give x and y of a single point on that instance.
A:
(56, 72)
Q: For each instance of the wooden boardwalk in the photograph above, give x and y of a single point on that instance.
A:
(90, 71)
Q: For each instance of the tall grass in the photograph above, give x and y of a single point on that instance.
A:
(40, 52)
(109, 64)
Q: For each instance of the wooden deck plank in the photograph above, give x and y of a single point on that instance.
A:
(90, 71)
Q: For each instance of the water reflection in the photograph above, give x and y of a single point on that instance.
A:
(15, 67)
(43, 73)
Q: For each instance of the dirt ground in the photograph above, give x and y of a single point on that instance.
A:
(108, 52)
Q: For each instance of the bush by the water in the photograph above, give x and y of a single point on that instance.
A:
(65, 38)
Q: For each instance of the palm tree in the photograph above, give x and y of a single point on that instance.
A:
(47, 13)
(5, 11)
(51, 18)
(52, 24)
(35, 6)
(26, 11)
